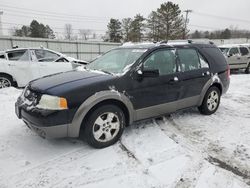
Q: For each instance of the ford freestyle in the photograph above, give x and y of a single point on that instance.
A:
(125, 85)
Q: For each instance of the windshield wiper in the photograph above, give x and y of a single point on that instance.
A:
(106, 72)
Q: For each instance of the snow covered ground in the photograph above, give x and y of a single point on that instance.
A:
(183, 150)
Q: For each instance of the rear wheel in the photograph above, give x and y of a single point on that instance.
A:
(104, 126)
(211, 101)
(5, 81)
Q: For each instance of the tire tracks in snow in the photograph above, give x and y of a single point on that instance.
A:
(205, 154)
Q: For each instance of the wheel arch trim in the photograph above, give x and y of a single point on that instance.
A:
(214, 80)
(92, 101)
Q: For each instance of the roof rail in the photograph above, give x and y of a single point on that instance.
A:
(188, 41)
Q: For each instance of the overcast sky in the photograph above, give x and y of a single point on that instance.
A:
(95, 14)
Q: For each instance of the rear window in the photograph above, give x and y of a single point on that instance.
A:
(20, 55)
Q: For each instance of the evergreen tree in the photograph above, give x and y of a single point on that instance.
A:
(23, 32)
(49, 33)
(137, 28)
(226, 34)
(171, 21)
(153, 24)
(126, 29)
(35, 30)
(114, 30)
(196, 35)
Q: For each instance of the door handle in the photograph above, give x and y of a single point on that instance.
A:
(173, 80)
(238, 58)
(206, 73)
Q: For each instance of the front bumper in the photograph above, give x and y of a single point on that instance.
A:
(46, 123)
(59, 131)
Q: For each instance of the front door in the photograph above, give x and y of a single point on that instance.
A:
(152, 96)
(47, 64)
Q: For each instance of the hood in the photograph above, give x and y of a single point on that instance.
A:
(66, 80)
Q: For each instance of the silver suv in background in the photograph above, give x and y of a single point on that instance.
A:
(238, 56)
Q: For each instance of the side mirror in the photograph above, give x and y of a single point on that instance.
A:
(150, 73)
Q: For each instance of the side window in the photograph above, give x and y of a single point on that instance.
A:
(62, 59)
(2, 57)
(189, 59)
(162, 60)
(233, 51)
(203, 61)
(20, 55)
(244, 51)
(45, 56)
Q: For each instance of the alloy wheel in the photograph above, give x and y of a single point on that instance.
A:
(4, 82)
(213, 100)
(106, 127)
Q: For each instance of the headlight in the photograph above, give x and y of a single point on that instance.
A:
(52, 103)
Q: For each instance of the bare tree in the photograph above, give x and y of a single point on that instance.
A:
(68, 31)
(84, 33)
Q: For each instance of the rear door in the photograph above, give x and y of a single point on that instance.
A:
(19, 65)
(245, 56)
(47, 63)
(195, 73)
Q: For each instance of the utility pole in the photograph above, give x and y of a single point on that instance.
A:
(186, 22)
(1, 26)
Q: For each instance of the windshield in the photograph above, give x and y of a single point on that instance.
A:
(116, 61)
(224, 50)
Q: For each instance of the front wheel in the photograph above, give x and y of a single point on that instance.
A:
(5, 81)
(104, 126)
(211, 101)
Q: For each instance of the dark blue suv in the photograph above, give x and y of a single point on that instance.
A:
(125, 85)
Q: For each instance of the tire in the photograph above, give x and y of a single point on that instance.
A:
(211, 101)
(247, 71)
(5, 81)
(104, 126)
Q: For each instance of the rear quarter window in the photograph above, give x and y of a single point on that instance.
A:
(244, 51)
(216, 59)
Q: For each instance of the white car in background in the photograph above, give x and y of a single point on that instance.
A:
(21, 65)
(237, 55)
